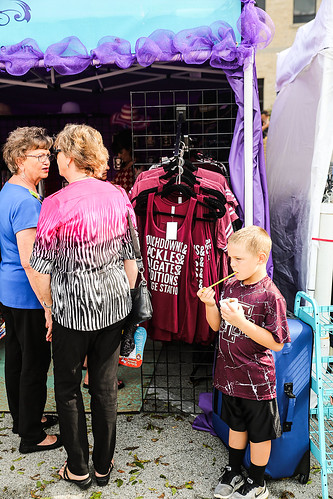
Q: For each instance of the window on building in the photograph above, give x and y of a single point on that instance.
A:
(304, 10)
(261, 4)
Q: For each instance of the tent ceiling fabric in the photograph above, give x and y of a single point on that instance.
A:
(225, 37)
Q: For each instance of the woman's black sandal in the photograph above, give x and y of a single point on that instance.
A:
(104, 480)
(83, 484)
(51, 420)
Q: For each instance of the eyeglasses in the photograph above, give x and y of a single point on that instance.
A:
(42, 158)
(56, 151)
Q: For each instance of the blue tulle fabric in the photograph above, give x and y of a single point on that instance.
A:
(215, 43)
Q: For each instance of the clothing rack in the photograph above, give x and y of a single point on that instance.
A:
(180, 148)
(202, 158)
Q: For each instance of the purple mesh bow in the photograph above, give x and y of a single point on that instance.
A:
(19, 58)
(156, 47)
(195, 45)
(226, 53)
(255, 25)
(69, 56)
(113, 50)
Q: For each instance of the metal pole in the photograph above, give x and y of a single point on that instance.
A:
(248, 143)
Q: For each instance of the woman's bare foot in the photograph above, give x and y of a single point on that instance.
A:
(101, 476)
(49, 440)
(71, 476)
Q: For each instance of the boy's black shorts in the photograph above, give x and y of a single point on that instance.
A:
(260, 418)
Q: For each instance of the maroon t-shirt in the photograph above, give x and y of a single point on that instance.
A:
(167, 269)
(243, 367)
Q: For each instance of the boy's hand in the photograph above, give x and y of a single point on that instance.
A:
(235, 317)
(207, 296)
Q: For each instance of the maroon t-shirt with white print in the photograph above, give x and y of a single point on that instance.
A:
(244, 368)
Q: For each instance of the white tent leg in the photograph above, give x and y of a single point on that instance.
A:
(248, 143)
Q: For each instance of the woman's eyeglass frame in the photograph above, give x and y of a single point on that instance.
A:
(41, 158)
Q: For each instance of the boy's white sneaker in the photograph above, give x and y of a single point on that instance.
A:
(229, 482)
(251, 490)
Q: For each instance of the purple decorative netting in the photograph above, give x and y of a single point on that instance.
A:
(113, 50)
(195, 45)
(226, 52)
(69, 56)
(18, 59)
(158, 46)
(255, 25)
(216, 43)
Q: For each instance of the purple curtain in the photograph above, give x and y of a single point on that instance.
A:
(236, 157)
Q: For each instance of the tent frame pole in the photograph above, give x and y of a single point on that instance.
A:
(248, 142)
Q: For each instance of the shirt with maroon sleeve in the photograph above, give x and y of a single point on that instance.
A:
(244, 368)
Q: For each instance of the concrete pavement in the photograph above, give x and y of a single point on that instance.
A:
(157, 456)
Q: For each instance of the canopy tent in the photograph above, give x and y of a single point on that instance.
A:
(63, 19)
(218, 33)
(298, 155)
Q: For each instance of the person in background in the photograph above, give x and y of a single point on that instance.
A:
(265, 122)
(122, 149)
(265, 126)
(85, 265)
(251, 322)
(27, 353)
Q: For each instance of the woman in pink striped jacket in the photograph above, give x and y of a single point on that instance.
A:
(85, 266)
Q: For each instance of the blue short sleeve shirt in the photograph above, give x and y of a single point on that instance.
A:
(19, 210)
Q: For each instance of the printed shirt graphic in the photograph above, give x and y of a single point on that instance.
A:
(206, 272)
(82, 239)
(243, 367)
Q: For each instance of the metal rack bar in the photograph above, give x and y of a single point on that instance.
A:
(321, 417)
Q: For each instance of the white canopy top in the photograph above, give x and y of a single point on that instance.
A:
(310, 39)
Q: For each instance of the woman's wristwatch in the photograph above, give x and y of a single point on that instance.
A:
(46, 306)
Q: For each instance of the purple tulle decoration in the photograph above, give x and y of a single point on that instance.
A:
(216, 43)
(195, 45)
(20, 58)
(156, 47)
(69, 56)
(226, 53)
(255, 25)
(113, 50)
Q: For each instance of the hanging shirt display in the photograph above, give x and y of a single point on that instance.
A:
(190, 210)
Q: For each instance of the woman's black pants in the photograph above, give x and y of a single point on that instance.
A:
(69, 350)
(27, 359)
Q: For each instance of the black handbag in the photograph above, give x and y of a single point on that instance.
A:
(142, 309)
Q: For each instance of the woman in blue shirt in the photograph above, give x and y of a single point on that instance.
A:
(27, 353)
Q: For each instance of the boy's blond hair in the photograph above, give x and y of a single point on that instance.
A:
(254, 238)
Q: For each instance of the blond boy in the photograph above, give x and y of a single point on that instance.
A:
(251, 322)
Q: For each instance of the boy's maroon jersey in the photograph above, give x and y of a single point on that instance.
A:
(243, 367)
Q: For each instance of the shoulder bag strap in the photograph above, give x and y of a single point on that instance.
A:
(136, 246)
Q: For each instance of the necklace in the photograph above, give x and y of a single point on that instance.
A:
(36, 195)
